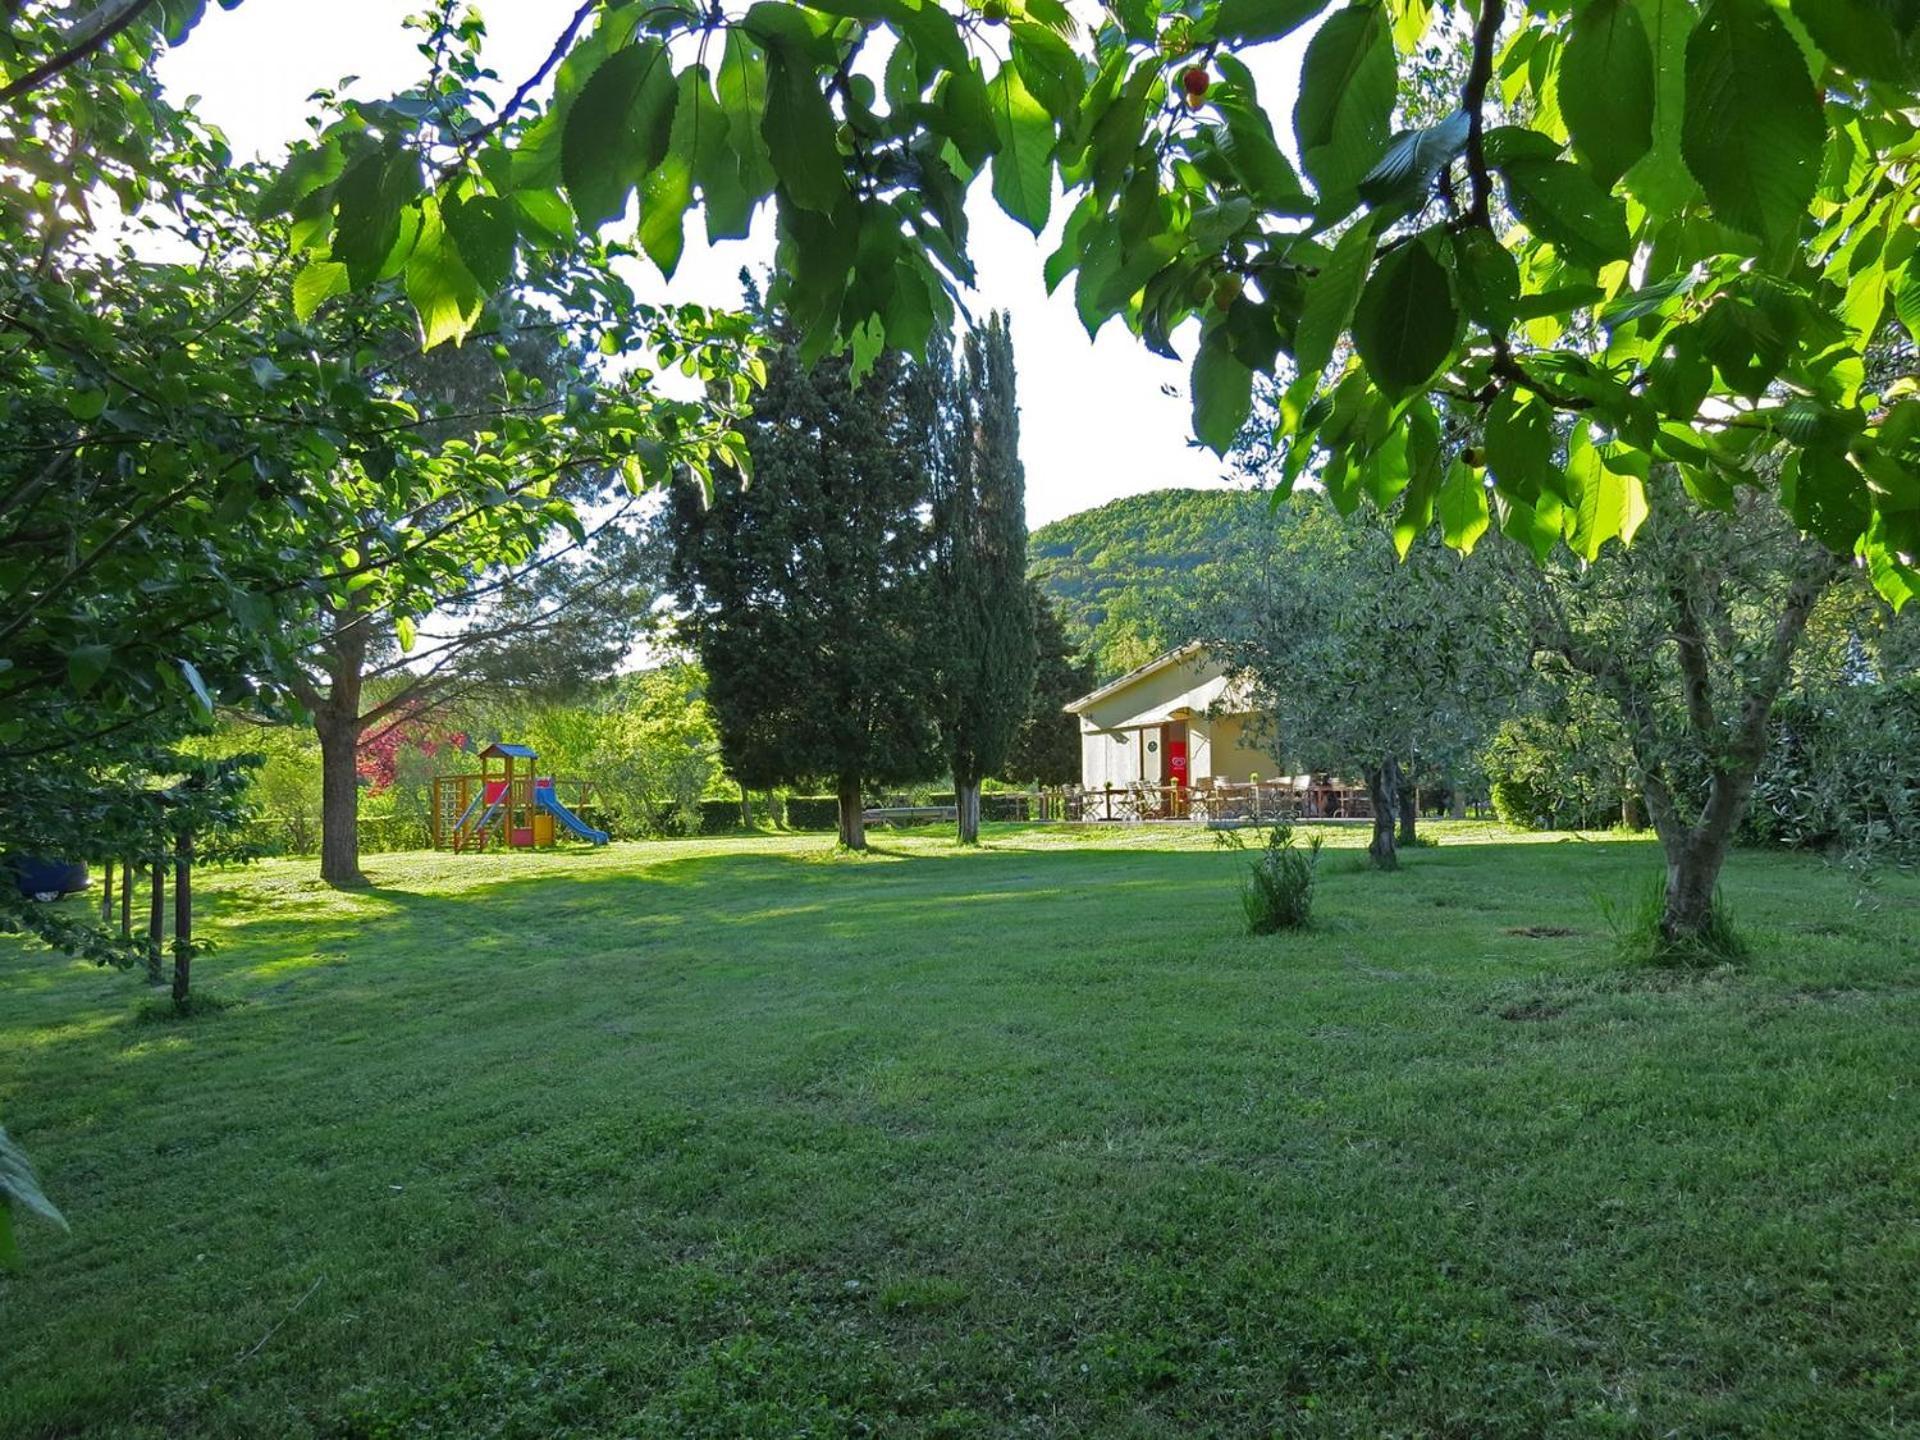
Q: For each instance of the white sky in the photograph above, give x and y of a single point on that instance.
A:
(1097, 419)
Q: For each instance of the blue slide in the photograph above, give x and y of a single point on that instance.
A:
(479, 835)
(544, 798)
(467, 814)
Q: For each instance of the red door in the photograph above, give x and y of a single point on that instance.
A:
(1175, 739)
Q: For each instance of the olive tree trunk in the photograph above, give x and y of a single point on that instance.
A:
(1732, 742)
(1409, 813)
(853, 819)
(1383, 790)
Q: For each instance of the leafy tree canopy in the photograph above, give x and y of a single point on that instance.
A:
(1647, 232)
(201, 457)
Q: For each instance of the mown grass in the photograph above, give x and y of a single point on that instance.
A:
(741, 1138)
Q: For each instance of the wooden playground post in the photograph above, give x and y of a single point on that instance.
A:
(182, 915)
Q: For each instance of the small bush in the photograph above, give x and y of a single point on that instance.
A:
(1515, 804)
(813, 812)
(1278, 891)
(1639, 940)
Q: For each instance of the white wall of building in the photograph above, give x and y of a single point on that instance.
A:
(1223, 742)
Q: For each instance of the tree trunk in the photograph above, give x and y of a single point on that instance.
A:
(1695, 854)
(1457, 801)
(966, 805)
(746, 809)
(853, 820)
(338, 723)
(773, 809)
(1409, 813)
(106, 894)
(1692, 874)
(126, 899)
(182, 917)
(156, 921)
(1633, 811)
(340, 804)
(1383, 789)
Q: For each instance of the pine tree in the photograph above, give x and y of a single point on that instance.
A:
(806, 590)
(980, 539)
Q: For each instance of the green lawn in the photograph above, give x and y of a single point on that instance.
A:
(739, 1138)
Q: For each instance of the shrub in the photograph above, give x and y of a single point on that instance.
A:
(1843, 772)
(1564, 767)
(1515, 804)
(813, 812)
(1277, 893)
(1638, 939)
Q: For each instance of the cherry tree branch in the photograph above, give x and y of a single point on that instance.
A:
(90, 41)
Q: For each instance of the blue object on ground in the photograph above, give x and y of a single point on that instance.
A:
(42, 878)
(544, 798)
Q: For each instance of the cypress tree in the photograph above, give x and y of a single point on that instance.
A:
(1047, 747)
(805, 590)
(980, 545)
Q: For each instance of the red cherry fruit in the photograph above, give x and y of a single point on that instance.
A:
(1196, 81)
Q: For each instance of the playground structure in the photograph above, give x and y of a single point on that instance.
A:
(513, 807)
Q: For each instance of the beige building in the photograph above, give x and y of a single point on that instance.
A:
(1181, 718)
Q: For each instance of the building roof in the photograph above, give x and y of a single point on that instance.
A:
(1134, 676)
(1163, 693)
(517, 752)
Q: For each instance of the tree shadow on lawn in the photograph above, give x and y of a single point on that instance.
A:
(1469, 913)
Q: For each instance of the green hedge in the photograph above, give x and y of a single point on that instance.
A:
(719, 817)
(813, 812)
(300, 835)
(1005, 805)
(822, 812)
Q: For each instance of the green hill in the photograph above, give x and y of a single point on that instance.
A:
(1126, 577)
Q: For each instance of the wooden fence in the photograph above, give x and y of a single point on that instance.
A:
(1258, 802)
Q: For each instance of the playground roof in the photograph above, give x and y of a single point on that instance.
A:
(517, 752)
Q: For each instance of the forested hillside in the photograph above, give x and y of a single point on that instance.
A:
(1125, 577)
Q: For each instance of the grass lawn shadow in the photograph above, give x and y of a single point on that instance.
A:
(711, 1138)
